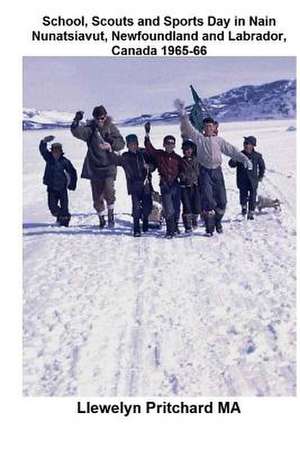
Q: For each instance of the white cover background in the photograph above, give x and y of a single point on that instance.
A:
(48, 423)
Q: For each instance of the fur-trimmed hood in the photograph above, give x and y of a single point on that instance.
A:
(97, 164)
(107, 123)
(109, 133)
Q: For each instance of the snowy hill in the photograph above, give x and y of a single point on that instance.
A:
(275, 100)
(35, 119)
(269, 101)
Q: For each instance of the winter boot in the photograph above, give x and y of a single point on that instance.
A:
(218, 223)
(111, 218)
(187, 222)
(250, 215)
(202, 216)
(145, 225)
(102, 221)
(210, 222)
(194, 221)
(244, 210)
(170, 222)
(64, 221)
(136, 228)
(177, 230)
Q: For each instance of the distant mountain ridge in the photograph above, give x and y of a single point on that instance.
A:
(35, 119)
(275, 100)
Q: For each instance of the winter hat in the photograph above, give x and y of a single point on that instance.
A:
(208, 120)
(188, 144)
(56, 145)
(132, 138)
(167, 139)
(251, 140)
(99, 111)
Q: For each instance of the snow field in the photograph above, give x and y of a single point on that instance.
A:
(109, 315)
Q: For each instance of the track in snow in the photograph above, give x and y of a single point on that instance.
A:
(109, 315)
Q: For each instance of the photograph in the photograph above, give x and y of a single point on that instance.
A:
(159, 226)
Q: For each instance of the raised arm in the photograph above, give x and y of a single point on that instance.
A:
(78, 131)
(235, 154)
(186, 128)
(149, 148)
(45, 153)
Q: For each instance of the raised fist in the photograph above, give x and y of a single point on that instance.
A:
(147, 127)
(48, 138)
(78, 116)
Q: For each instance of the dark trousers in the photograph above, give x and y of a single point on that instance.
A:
(58, 204)
(141, 204)
(248, 193)
(213, 192)
(170, 195)
(190, 197)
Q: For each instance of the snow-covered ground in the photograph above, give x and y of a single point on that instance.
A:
(109, 315)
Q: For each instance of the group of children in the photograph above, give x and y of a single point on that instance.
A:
(194, 180)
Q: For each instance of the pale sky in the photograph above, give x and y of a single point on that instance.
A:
(133, 86)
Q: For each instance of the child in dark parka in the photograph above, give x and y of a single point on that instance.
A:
(59, 176)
